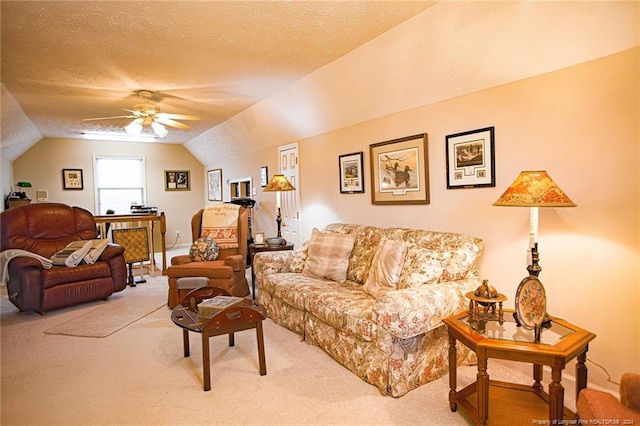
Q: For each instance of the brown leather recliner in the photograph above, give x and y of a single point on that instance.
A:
(44, 229)
(227, 271)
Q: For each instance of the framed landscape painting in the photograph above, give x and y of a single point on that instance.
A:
(400, 171)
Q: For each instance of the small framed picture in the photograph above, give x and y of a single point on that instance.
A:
(351, 173)
(177, 180)
(72, 179)
(264, 176)
(258, 238)
(214, 184)
(471, 159)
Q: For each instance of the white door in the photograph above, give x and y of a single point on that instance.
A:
(290, 200)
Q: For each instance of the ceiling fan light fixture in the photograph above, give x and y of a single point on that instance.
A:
(159, 129)
(134, 128)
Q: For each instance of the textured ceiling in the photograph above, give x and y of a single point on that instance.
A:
(63, 62)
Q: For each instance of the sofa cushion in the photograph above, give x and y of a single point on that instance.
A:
(364, 249)
(328, 255)
(421, 266)
(346, 307)
(293, 288)
(385, 268)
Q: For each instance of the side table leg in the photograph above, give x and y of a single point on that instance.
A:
(482, 388)
(537, 378)
(206, 362)
(261, 356)
(581, 372)
(185, 342)
(232, 339)
(556, 395)
(453, 373)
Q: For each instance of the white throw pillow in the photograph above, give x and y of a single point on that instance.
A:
(328, 255)
(386, 268)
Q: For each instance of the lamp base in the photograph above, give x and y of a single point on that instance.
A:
(275, 241)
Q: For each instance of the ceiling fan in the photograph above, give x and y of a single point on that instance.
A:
(148, 114)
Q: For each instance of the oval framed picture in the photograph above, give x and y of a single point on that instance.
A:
(531, 303)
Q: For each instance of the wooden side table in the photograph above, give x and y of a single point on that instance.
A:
(246, 316)
(489, 339)
(255, 248)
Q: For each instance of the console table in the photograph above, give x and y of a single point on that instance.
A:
(489, 339)
(149, 220)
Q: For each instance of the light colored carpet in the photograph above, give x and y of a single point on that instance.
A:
(138, 376)
(118, 311)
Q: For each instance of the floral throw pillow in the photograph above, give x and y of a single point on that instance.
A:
(204, 249)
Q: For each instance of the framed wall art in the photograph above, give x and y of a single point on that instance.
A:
(214, 184)
(177, 180)
(400, 171)
(471, 159)
(351, 173)
(72, 179)
(264, 176)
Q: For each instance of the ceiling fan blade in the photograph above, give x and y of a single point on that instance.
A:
(178, 116)
(109, 118)
(172, 123)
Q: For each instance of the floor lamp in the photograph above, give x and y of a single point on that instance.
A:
(277, 184)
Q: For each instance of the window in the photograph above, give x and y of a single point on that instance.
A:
(119, 183)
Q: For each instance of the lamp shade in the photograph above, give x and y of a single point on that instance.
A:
(534, 189)
(279, 183)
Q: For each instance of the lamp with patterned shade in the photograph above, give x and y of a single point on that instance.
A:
(277, 184)
(534, 189)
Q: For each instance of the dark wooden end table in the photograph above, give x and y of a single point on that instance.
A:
(489, 339)
(256, 248)
(247, 316)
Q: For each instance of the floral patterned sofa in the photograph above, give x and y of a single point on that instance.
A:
(394, 339)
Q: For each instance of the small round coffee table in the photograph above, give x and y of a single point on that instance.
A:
(246, 316)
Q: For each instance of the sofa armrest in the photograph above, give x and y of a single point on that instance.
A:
(236, 261)
(271, 262)
(413, 311)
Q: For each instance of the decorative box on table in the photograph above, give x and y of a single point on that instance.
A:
(209, 307)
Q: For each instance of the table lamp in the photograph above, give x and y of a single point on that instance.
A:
(533, 189)
(277, 184)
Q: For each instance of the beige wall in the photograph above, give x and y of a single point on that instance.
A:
(43, 163)
(581, 125)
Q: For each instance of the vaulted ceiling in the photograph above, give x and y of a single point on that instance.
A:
(242, 65)
(66, 61)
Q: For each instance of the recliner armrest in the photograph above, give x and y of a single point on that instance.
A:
(236, 261)
(111, 251)
(630, 391)
(181, 259)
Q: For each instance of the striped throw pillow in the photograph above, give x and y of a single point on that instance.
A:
(328, 255)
